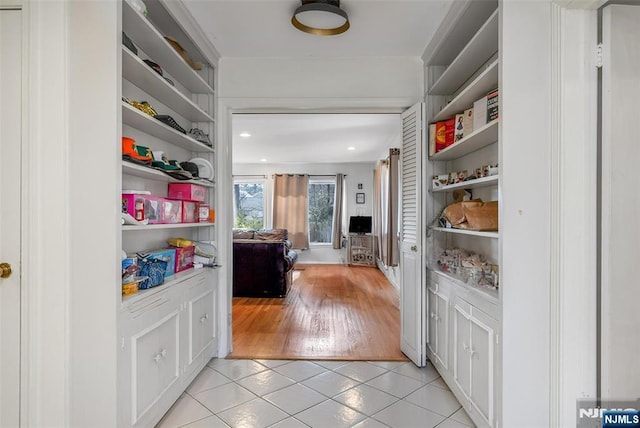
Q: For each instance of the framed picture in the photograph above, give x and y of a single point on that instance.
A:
(359, 198)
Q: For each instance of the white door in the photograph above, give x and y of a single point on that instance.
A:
(10, 145)
(413, 341)
(482, 332)
(462, 344)
(620, 229)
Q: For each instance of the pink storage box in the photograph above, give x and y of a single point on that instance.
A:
(184, 258)
(171, 211)
(187, 192)
(143, 207)
(190, 212)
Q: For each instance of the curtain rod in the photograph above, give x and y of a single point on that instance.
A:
(313, 175)
(249, 175)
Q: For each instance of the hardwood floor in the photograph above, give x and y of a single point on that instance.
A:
(332, 312)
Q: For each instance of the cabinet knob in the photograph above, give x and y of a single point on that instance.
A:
(433, 315)
(157, 358)
(414, 248)
(204, 318)
(163, 352)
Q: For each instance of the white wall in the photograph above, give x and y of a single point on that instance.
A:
(355, 173)
(70, 181)
(525, 98)
(397, 80)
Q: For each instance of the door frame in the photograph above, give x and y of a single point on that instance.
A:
(224, 166)
(573, 303)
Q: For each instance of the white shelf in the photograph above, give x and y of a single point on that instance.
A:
(144, 77)
(482, 46)
(130, 227)
(479, 87)
(493, 295)
(493, 235)
(459, 26)
(471, 184)
(478, 139)
(142, 171)
(147, 124)
(132, 299)
(148, 39)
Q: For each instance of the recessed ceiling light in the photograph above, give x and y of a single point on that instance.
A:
(351, 148)
(263, 160)
(245, 135)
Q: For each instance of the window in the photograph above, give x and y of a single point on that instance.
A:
(248, 204)
(321, 200)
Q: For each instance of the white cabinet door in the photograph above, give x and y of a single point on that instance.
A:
(432, 331)
(413, 340)
(474, 358)
(201, 323)
(462, 341)
(442, 328)
(481, 354)
(156, 363)
(438, 339)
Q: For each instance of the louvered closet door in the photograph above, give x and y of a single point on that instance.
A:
(412, 287)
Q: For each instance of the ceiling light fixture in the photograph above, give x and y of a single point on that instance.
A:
(351, 148)
(321, 17)
(245, 135)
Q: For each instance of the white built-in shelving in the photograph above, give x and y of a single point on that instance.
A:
(137, 119)
(169, 332)
(152, 43)
(144, 77)
(483, 234)
(143, 171)
(477, 183)
(486, 81)
(482, 46)
(478, 139)
(462, 66)
(152, 227)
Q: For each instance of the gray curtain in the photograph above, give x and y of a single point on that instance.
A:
(336, 239)
(290, 207)
(385, 215)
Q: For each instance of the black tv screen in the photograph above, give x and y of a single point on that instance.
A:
(360, 224)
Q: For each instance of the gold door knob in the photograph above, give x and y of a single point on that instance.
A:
(5, 270)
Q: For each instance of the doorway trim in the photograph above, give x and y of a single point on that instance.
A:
(573, 209)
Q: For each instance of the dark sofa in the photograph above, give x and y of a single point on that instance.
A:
(262, 262)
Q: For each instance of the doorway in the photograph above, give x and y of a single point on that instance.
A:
(321, 145)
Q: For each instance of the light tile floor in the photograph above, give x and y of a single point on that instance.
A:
(332, 394)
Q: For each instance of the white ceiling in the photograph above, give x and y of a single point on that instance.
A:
(262, 28)
(314, 138)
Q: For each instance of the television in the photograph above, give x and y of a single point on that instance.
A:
(360, 224)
